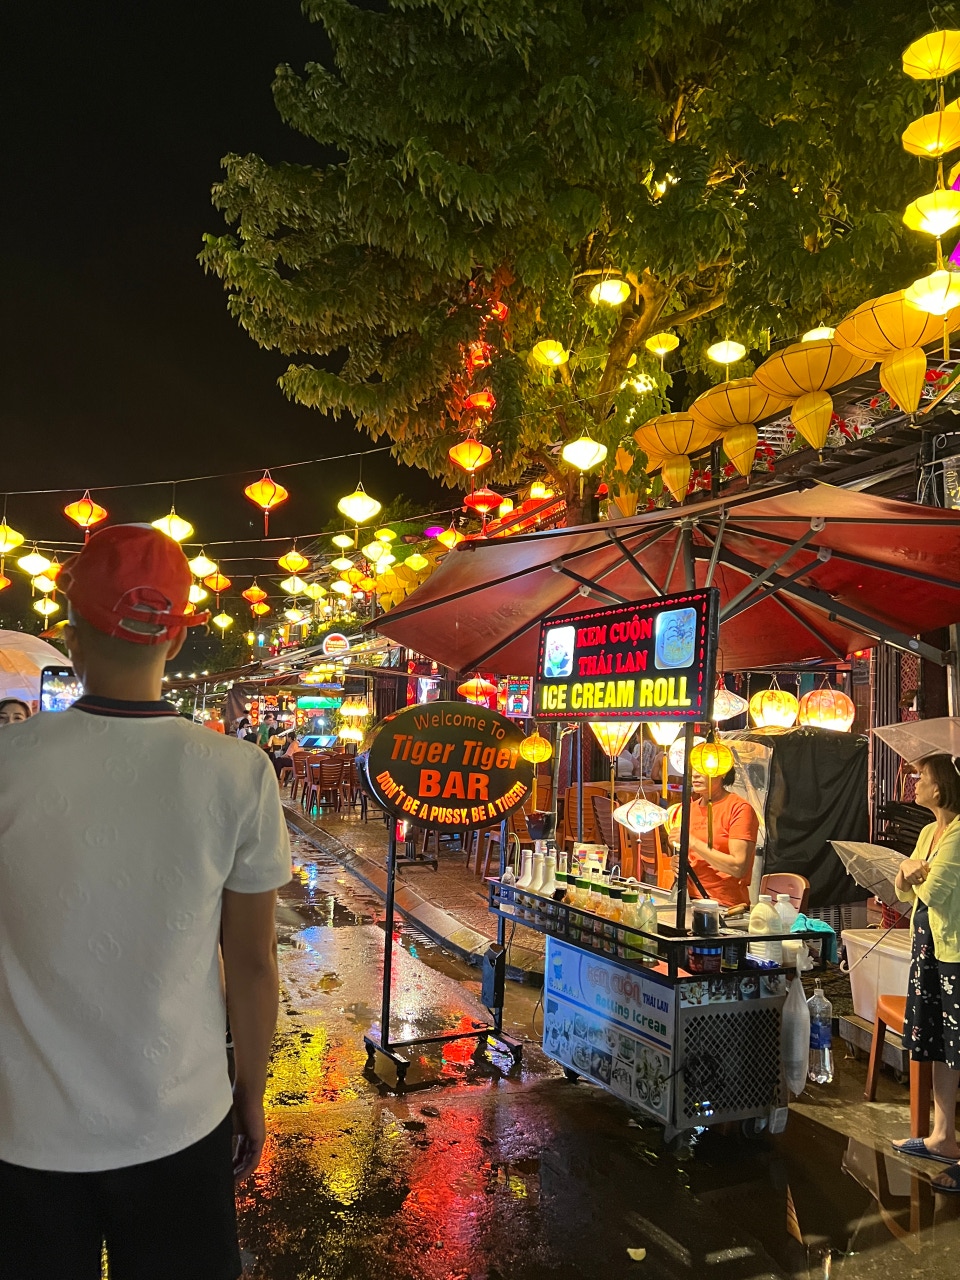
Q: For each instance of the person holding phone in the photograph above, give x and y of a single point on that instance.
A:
(13, 711)
(118, 1121)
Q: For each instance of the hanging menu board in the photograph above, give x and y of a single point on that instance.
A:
(653, 660)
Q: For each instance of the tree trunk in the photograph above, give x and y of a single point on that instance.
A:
(580, 510)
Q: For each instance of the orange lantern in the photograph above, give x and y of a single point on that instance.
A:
(498, 311)
(85, 512)
(477, 690)
(259, 609)
(217, 582)
(254, 593)
(4, 582)
(480, 402)
(827, 708)
(470, 454)
(293, 561)
(478, 355)
(266, 494)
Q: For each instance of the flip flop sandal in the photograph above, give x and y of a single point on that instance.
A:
(954, 1173)
(918, 1148)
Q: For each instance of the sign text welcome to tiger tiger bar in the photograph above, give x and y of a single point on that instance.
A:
(653, 660)
(449, 765)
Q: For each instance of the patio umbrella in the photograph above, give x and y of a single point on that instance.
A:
(920, 738)
(873, 867)
(22, 658)
(803, 574)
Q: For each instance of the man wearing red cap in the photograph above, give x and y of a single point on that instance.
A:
(128, 841)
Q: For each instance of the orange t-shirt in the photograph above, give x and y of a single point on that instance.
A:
(733, 819)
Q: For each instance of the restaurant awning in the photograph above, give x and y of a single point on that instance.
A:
(805, 574)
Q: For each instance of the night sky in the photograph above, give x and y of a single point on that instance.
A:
(119, 361)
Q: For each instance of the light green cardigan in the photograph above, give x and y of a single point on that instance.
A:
(941, 889)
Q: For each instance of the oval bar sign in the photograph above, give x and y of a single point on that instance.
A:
(451, 766)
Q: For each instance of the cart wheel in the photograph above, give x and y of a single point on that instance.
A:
(572, 1076)
(754, 1127)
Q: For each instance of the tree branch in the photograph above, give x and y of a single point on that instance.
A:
(700, 309)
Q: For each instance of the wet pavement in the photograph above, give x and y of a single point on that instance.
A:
(481, 1171)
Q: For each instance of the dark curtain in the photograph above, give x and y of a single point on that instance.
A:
(818, 793)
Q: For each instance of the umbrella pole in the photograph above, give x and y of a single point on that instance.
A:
(684, 856)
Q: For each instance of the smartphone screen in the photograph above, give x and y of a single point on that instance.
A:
(59, 688)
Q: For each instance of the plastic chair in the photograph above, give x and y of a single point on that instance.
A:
(570, 812)
(891, 1012)
(796, 886)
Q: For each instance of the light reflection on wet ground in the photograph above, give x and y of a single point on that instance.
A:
(484, 1174)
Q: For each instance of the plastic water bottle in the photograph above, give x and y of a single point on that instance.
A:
(765, 920)
(821, 1037)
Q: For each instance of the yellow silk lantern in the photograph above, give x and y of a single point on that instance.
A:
(294, 562)
(359, 506)
(613, 736)
(935, 213)
(222, 620)
(774, 708)
(739, 402)
(673, 433)
(711, 759)
(726, 352)
(934, 56)
(173, 526)
(536, 748)
(886, 324)
(811, 416)
(416, 562)
(664, 733)
(661, 344)
(612, 291)
(809, 366)
(675, 472)
(827, 708)
(821, 331)
(740, 446)
(450, 538)
(936, 293)
(259, 608)
(201, 566)
(902, 375)
(9, 538)
(34, 563)
(342, 540)
(584, 453)
(933, 135)
(46, 606)
(550, 353)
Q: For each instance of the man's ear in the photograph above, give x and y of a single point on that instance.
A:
(176, 644)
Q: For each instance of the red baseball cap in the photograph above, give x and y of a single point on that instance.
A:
(133, 582)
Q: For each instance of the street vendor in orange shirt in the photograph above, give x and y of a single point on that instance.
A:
(724, 869)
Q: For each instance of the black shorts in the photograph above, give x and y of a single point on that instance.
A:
(169, 1219)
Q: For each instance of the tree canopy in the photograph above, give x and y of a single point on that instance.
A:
(738, 165)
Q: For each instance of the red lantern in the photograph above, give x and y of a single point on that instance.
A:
(477, 690)
(480, 402)
(470, 454)
(478, 355)
(499, 311)
(85, 512)
(482, 501)
(254, 593)
(266, 494)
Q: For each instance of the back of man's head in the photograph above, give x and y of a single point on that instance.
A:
(128, 592)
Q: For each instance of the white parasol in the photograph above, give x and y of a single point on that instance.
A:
(872, 866)
(920, 738)
(22, 658)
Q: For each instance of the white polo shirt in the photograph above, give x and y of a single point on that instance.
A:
(120, 826)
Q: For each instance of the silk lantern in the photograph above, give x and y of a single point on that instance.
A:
(711, 760)
(266, 494)
(174, 526)
(470, 454)
(675, 472)
(827, 708)
(550, 353)
(85, 512)
(933, 56)
(675, 433)
(294, 562)
(536, 748)
(933, 135)
(739, 402)
(774, 708)
(902, 376)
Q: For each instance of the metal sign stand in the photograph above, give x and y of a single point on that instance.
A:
(378, 1039)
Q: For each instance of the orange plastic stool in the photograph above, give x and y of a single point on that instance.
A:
(892, 1012)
